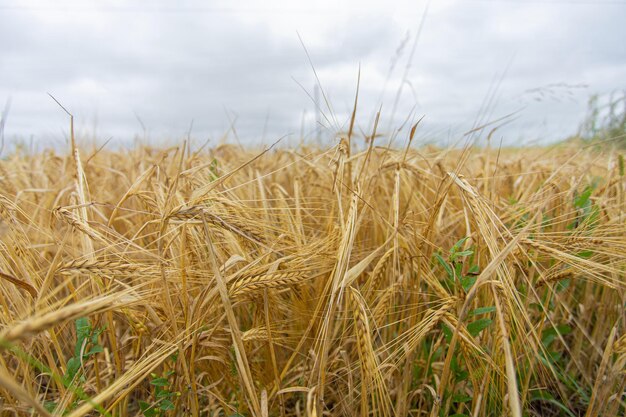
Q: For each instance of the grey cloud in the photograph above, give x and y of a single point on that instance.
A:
(170, 68)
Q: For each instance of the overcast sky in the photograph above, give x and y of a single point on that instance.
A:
(118, 65)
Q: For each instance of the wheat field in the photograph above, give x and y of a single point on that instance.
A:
(339, 281)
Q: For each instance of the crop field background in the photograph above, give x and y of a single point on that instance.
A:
(348, 280)
(313, 209)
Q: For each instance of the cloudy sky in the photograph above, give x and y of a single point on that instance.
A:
(160, 69)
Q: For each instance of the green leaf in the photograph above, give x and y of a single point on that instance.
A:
(166, 405)
(468, 282)
(73, 365)
(460, 374)
(163, 393)
(94, 350)
(458, 245)
(461, 398)
(50, 406)
(95, 334)
(474, 269)
(454, 364)
(147, 409)
(447, 333)
(548, 335)
(547, 397)
(233, 366)
(445, 265)
(562, 407)
(482, 310)
(562, 285)
(83, 329)
(586, 254)
(213, 174)
(477, 326)
(582, 199)
(461, 254)
(160, 382)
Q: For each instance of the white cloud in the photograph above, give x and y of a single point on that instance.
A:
(168, 64)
